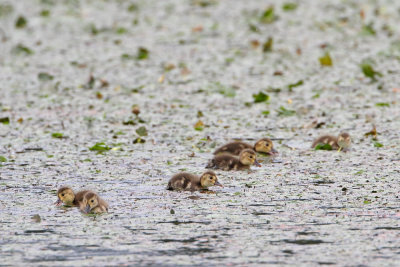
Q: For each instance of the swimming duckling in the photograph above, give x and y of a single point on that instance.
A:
(228, 162)
(67, 196)
(263, 145)
(92, 203)
(190, 182)
(343, 141)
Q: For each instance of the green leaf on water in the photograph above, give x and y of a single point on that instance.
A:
(21, 22)
(253, 28)
(100, 147)
(133, 7)
(227, 91)
(289, 6)
(204, 3)
(139, 141)
(267, 46)
(21, 49)
(121, 30)
(326, 60)
(377, 144)
(369, 71)
(217, 87)
(199, 126)
(293, 85)
(285, 112)
(265, 113)
(43, 76)
(142, 53)
(3, 159)
(359, 172)
(368, 29)
(45, 13)
(382, 104)
(5, 120)
(57, 135)
(142, 131)
(322, 146)
(127, 57)
(268, 16)
(317, 95)
(260, 97)
(6, 9)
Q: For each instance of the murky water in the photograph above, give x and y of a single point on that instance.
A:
(203, 63)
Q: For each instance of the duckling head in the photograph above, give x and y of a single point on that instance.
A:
(248, 157)
(344, 140)
(265, 145)
(209, 179)
(65, 195)
(90, 201)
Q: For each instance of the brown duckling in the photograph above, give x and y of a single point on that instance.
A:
(67, 196)
(263, 145)
(190, 182)
(343, 141)
(228, 162)
(92, 203)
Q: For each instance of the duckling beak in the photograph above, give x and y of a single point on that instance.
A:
(58, 202)
(86, 209)
(257, 163)
(218, 184)
(273, 152)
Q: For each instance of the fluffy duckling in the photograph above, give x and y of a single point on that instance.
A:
(67, 196)
(190, 182)
(263, 145)
(343, 141)
(228, 162)
(92, 203)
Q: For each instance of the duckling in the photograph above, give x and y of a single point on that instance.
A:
(263, 145)
(228, 162)
(343, 141)
(92, 203)
(190, 182)
(67, 196)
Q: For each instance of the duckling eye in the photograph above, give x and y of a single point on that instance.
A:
(92, 201)
(62, 195)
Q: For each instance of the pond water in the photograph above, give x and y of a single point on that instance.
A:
(74, 73)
